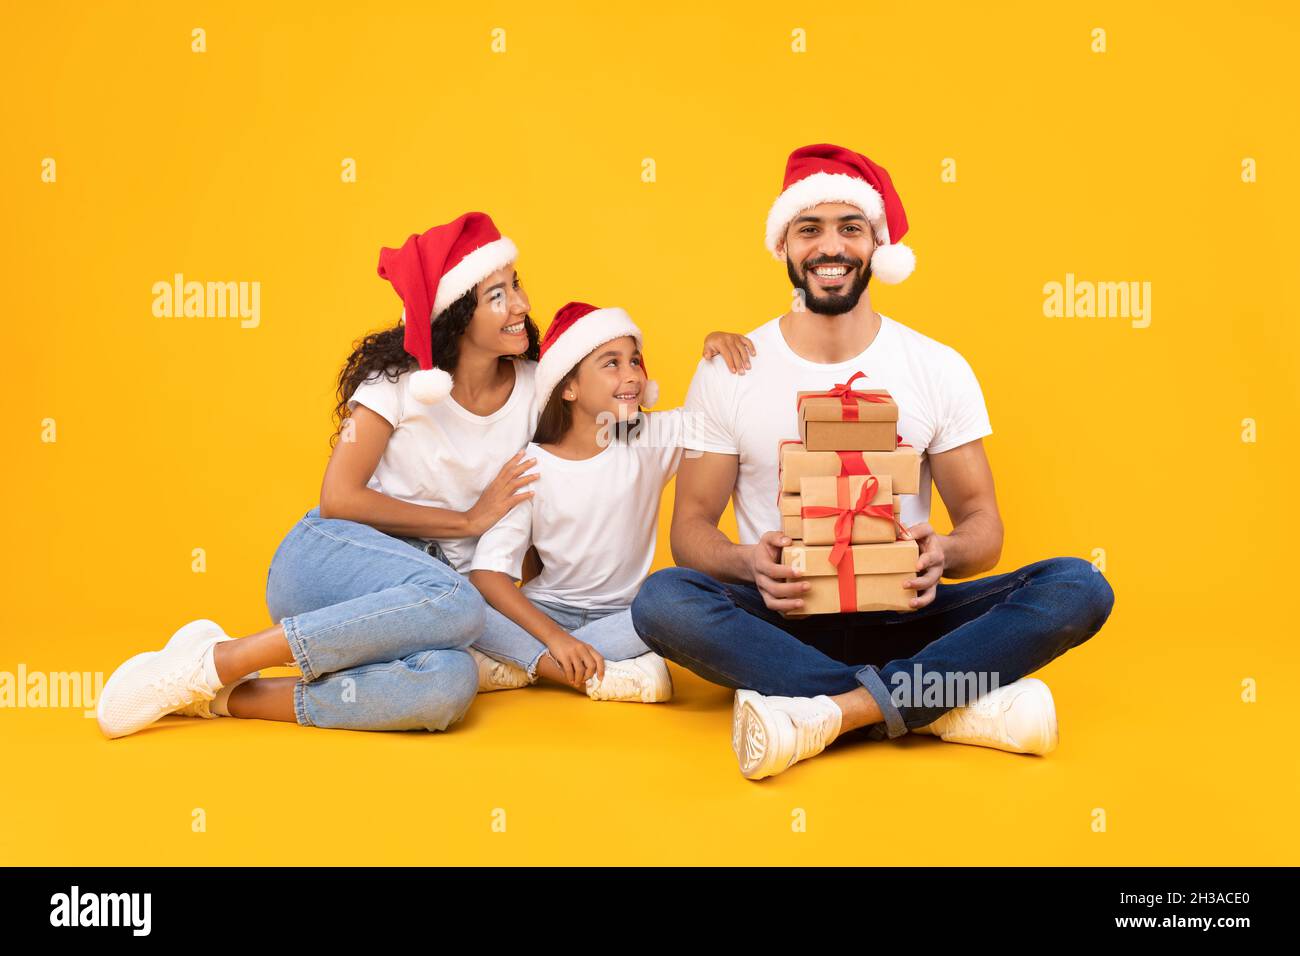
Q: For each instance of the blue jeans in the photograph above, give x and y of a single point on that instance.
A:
(378, 625)
(610, 632)
(1005, 625)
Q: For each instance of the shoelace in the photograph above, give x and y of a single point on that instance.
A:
(618, 682)
(176, 685)
(969, 721)
(810, 738)
(501, 674)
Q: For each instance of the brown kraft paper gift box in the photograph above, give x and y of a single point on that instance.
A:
(878, 572)
(792, 507)
(826, 423)
(902, 465)
(828, 493)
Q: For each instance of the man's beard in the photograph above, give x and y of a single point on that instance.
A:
(835, 303)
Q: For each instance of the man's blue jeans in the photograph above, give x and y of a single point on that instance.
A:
(1004, 627)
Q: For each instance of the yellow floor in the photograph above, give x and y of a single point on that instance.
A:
(1185, 772)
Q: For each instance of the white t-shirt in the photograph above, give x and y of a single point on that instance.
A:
(443, 455)
(594, 522)
(940, 406)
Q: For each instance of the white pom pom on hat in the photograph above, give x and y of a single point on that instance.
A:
(430, 386)
(430, 271)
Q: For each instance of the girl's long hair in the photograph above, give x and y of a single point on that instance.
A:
(384, 352)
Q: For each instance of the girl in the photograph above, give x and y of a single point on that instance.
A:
(592, 515)
(366, 588)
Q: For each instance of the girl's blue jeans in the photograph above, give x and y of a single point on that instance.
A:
(998, 629)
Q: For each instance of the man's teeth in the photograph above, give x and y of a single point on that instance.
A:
(513, 329)
(831, 272)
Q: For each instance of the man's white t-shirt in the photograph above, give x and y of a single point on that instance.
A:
(443, 455)
(594, 522)
(940, 406)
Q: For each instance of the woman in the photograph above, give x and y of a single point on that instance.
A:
(366, 588)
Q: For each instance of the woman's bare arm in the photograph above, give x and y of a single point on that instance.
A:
(344, 493)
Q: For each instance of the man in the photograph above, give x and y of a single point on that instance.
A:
(802, 682)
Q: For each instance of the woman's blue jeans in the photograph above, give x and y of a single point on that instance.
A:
(378, 625)
(1002, 627)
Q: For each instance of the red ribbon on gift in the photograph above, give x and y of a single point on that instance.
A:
(844, 514)
(851, 462)
(848, 398)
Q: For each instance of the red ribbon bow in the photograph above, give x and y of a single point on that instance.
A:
(848, 397)
(844, 514)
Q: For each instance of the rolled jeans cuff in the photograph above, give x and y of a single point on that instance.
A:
(869, 678)
(298, 647)
(300, 704)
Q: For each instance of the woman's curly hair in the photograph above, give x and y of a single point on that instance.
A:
(385, 352)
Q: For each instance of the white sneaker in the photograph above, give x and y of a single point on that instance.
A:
(152, 685)
(643, 679)
(202, 707)
(497, 675)
(1019, 717)
(772, 734)
(217, 706)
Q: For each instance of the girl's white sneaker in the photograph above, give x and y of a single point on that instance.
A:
(1019, 717)
(772, 734)
(643, 679)
(152, 685)
(497, 675)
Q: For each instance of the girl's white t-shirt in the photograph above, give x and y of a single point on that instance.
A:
(940, 406)
(443, 455)
(594, 522)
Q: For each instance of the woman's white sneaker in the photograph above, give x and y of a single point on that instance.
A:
(1019, 717)
(202, 707)
(497, 675)
(643, 679)
(772, 734)
(152, 685)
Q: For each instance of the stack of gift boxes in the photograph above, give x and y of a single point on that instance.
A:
(839, 489)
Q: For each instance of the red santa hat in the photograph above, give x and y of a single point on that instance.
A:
(568, 341)
(430, 272)
(826, 173)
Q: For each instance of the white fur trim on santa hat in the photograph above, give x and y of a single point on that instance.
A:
(814, 190)
(578, 341)
(471, 270)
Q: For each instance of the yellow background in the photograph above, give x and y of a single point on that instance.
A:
(174, 434)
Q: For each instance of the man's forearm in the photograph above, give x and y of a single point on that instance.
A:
(973, 547)
(699, 544)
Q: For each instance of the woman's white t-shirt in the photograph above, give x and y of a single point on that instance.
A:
(594, 522)
(443, 455)
(940, 406)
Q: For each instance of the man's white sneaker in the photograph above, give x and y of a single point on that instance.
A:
(772, 734)
(1019, 717)
(643, 679)
(497, 675)
(152, 685)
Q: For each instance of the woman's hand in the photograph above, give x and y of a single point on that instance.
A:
(734, 349)
(501, 495)
(577, 659)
